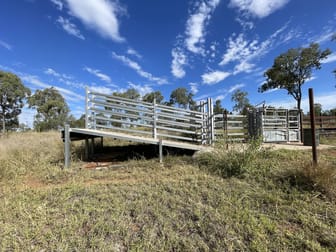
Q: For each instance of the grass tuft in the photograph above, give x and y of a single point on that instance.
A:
(234, 161)
(309, 177)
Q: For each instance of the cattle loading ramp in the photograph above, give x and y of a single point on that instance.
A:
(136, 121)
(108, 116)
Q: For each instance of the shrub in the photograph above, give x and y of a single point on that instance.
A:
(233, 161)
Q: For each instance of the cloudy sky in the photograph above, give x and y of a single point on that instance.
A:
(210, 47)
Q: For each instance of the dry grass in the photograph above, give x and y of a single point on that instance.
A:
(145, 206)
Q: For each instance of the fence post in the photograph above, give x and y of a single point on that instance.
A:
(154, 119)
(67, 146)
(212, 123)
(211, 132)
(312, 123)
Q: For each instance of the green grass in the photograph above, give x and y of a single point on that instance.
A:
(272, 203)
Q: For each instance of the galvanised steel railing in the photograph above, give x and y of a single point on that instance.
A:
(108, 112)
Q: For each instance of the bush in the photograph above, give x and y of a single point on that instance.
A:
(233, 161)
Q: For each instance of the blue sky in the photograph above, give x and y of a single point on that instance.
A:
(210, 47)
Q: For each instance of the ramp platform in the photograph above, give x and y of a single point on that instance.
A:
(75, 134)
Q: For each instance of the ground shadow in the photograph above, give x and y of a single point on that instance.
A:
(134, 152)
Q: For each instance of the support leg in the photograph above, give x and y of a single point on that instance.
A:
(92, 146)
(86, 149)
(67, 146)
(160, 150)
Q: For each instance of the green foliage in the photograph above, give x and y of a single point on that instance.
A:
(130, 93)
(182, 98)
(218, 109)
(12, 95)
(242, 103)
(317, 109)
(153, 95)
(52, 110)
(76, 123)
(290, 70)
(235, 161)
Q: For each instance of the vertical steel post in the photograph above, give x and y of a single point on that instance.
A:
(160, 150)
(208, 122)
(211, 131)
(287, 125)
(86, 107)
(203, 123)
(262, 124)
(312, 124)
(67, 146)
(154, 120)
(212, 122)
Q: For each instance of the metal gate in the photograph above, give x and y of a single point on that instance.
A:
(275, 125)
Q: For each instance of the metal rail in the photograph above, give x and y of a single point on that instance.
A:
(231, 128)
(108, 112)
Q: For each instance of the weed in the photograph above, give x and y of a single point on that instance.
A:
(233, 161)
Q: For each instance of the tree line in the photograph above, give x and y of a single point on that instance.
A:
(52, 109)
(289, 71)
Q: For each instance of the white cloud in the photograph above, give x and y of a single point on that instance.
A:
(135, 66)
(58, 3)
(235, 87)
(140, 88)
(221, 94)
(246, 24)
(238, 48)
(219, 97)
(64, 78)
(193, 87)
(98, 74)
(331, 58)
(243, 51)
(243, 66)
(194, 36)
(214, 77)
(258, 8)
(52, 72)
(179, 60)
(102, 89)
(133, 52)
(311, 79)
(70, 28)
(195, 27)
(5, 45)
(68, 94)
(98, 15)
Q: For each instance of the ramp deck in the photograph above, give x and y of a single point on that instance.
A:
(79, 134)
(74, 134)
